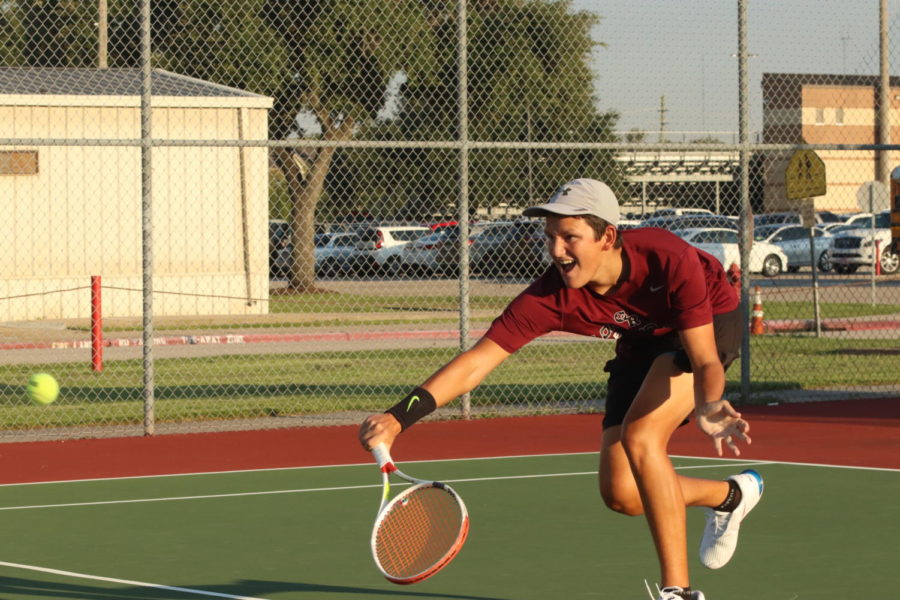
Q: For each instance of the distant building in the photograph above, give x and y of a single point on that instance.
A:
(73, 211)
(825, 109)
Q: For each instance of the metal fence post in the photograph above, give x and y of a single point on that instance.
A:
(147, 219)
(466, 399)
(746, 214)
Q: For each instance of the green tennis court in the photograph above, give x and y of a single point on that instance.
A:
(539, 531)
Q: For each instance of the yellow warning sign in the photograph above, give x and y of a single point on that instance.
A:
(805, 175)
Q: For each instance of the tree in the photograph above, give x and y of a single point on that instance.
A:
(341, 56)
(707, 139)
(529, 81)
(636, 136)
(47, 33)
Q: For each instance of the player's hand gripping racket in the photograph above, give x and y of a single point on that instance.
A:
(417, 533)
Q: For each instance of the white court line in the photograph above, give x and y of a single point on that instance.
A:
(305, 468)
(431, 460)
(338, 488)
(125, 581)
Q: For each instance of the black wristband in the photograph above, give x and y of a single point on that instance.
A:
(418, 404)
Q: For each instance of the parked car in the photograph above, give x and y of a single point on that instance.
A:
(628, 224)
(794, 240)
(826, 216)
(777, 218)
(677, 212)
(831, 227)
(516, 248)
(437, 252)
(337, 255)
(854, 248)
(863, 219)
(691, 222)
(380, 246)
(280, 248)
(765, 258)
(840, 228)
(794, 218)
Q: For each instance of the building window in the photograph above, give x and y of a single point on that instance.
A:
(820, 116)
(18, 162)
(839, 116)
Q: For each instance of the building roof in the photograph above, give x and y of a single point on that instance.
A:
(782, 90)
(785, 79)
(107, 82)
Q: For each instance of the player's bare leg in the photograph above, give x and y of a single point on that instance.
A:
(619, 489)
(664, 400)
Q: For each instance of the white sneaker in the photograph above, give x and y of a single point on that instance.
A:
(673, 593)
(677, 593)
(721, 533)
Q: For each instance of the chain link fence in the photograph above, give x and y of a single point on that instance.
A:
(259, 213)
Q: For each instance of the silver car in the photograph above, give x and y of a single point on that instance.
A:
(794, 241)
(337, 255)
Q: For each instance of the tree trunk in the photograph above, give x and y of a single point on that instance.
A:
(305, 194)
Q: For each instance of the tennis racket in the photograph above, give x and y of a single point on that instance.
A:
(419, 531)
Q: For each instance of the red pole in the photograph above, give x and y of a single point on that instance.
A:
(96, 325)
(877, 265)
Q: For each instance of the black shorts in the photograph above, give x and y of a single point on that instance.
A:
(627, 375)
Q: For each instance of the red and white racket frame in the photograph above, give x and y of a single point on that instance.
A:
(387, 466)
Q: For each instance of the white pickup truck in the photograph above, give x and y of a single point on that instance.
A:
(855, 248)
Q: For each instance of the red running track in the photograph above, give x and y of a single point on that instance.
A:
(863, 433)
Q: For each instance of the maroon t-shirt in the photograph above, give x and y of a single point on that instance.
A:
(669, 286)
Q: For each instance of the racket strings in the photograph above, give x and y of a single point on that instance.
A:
(417, 531)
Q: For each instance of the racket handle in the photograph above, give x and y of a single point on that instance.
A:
(383, 458)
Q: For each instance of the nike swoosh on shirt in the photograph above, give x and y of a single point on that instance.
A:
(656, 288)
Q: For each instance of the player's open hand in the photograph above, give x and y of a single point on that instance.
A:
(378, 429)
(721, 422)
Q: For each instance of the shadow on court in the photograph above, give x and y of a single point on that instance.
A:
(17, 588)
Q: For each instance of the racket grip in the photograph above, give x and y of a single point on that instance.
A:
(383, 458)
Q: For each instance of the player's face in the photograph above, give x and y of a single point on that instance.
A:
(580, 257)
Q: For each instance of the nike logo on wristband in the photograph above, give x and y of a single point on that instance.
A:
(412, 401)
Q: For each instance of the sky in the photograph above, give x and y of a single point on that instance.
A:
(682, 50)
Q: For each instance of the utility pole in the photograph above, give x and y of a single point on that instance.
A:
(662, 119)
(102, 34)
(844, 40)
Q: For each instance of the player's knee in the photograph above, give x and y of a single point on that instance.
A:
(637, 440)
(622, 502)
(629, 505)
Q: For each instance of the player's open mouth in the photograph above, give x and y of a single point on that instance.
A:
(565, 265)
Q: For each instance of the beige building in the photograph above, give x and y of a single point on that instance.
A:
(73, 211)
(826, 109)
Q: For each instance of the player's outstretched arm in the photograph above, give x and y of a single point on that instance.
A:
(460, 375)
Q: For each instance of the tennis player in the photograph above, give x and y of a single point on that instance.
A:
(677, 326)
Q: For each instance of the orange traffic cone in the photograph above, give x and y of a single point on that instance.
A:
(756, 317)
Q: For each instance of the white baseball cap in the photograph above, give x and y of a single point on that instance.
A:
(580, 197)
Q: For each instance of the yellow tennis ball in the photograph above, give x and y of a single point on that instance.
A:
(42, 388)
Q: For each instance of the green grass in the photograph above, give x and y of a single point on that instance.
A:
(805, 362)
(424, 307)
(540, 375)
(832, 310)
